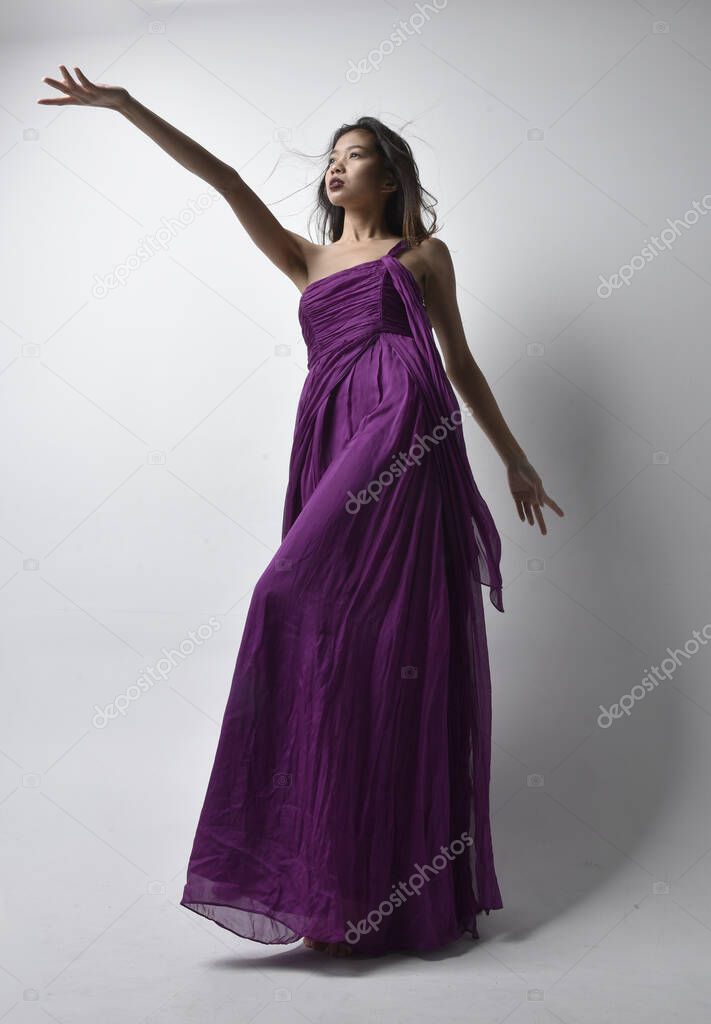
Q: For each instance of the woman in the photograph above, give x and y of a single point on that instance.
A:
(348, 801)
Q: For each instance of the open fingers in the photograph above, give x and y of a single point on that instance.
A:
(534, 509)
(57, 85)
(552, 504)
(83, 79)
(539, 519)
(529, 508)
(68, 87)
(523, 506)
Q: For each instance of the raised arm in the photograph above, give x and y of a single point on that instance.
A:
(524, 482)
(286, 249)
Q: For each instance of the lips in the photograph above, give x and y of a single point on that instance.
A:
(335, 183)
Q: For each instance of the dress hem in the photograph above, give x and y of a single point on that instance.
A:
(193, 906)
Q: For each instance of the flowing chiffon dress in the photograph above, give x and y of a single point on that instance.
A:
(349, 795)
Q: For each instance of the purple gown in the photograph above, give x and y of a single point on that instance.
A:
(349, 795)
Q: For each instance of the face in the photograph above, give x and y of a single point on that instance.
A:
(355, 161)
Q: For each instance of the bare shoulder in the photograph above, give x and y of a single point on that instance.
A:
(436, 256)
(431, 263)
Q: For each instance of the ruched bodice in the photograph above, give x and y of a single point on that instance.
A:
(368, 304)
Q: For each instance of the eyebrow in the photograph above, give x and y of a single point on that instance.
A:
(354, 145)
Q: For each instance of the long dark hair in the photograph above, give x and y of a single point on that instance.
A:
(404, 207)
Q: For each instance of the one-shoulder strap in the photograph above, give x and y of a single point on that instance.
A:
(400, 242)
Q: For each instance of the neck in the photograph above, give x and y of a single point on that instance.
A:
(365, 226)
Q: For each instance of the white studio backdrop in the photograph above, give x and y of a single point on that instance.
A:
(151, 362)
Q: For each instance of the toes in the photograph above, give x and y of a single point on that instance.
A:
(332, 948)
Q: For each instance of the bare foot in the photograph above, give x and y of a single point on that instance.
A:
(338, 949)
(332, 948)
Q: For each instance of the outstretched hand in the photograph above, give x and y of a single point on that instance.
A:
(527, 489)
(83, 93)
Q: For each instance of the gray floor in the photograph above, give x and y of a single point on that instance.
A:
(603, 859)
